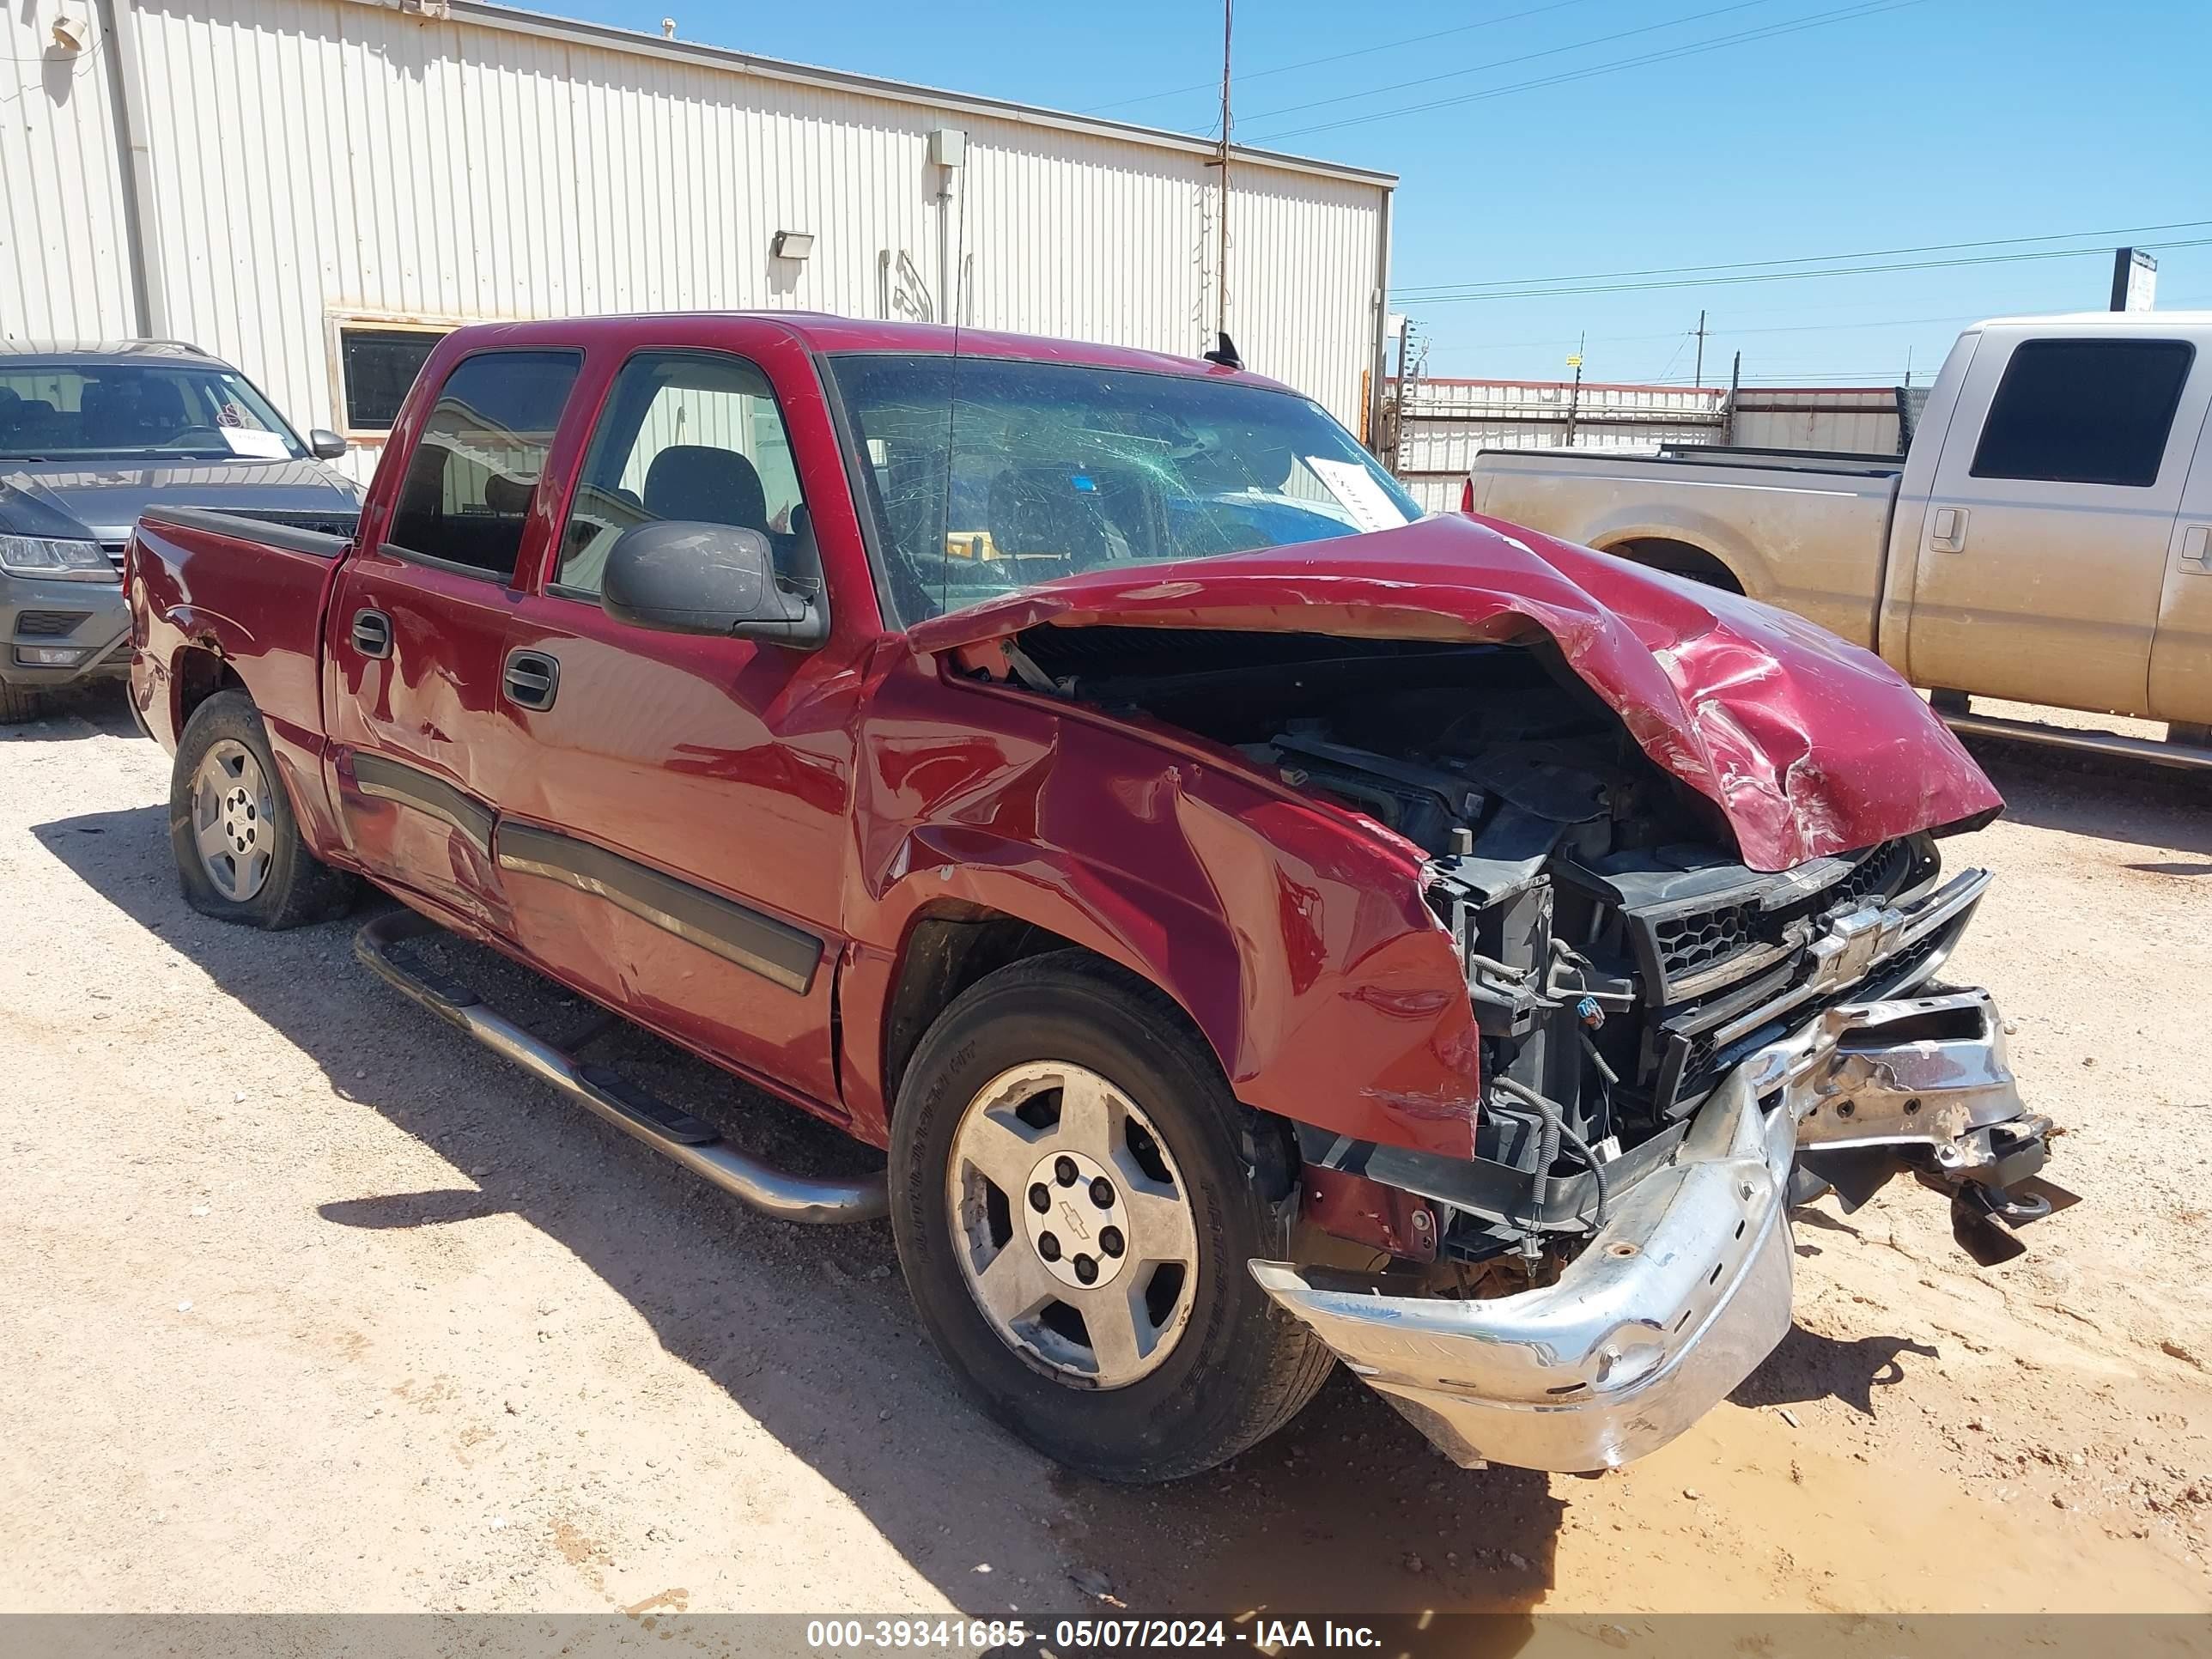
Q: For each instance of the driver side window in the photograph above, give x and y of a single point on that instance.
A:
(685, 435)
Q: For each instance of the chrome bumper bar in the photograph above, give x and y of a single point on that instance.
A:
(1687, 1286)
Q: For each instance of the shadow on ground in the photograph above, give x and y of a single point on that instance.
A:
(2109, 799)
(82, 711)
(810, 1331)
(1808, 1366)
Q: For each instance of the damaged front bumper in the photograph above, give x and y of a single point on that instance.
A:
(1686, 1286)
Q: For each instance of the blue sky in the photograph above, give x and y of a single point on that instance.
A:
(1887, 124)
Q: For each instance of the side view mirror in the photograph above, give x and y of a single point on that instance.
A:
(326, 445)
(683, 577)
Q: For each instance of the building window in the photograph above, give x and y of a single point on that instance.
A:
(377, 365)
(2084, 411)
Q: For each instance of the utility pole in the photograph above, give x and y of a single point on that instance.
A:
(1398, 423)
(1221, 258)
(1735, 385)
(1701, 348)
(1575, 396)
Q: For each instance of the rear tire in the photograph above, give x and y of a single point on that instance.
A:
(1214, 1366)
(19, 703)
(239, 854)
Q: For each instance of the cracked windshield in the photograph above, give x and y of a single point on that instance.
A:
(1035, 471)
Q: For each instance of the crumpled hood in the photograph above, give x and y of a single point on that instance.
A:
(1809, 746)
(103, 501)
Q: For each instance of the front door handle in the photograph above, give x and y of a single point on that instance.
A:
(531, 680)
(1949, 533)
(2197, 549)
(372, 633)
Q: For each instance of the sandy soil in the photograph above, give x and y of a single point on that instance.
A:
(312, 1305)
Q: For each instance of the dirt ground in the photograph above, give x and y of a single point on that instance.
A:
(310, 1305)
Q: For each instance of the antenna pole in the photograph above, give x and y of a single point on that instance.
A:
(1221, 258)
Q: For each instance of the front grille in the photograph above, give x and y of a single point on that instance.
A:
(47, 624)
(1705, 1060)
(114, 551)
(1880, 875)
(1694, 952)
(1688, 943)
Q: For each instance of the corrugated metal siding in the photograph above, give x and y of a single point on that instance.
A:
(64, 273)
(313, 160)
(1448, 420)
(1849, 420)
(1302, 252)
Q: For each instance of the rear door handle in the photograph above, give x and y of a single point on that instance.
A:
(2197, 549)
(372, 633)
(531, 679)
(1949, 533)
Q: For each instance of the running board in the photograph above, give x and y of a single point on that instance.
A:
(690, 1141)
(2089, 742)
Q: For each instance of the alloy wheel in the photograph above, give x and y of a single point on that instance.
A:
(1071, 1223)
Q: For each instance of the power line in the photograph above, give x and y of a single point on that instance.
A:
(1466, 349)
(1802, 276)
(1717, 333)
(1695, 49)
(1801, 259)
(1507, 63)
(1249, 76)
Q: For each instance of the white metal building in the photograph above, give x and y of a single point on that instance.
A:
(314, 188)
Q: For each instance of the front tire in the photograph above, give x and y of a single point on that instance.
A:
(239, 854)
(1075, 1202)
(20, 703)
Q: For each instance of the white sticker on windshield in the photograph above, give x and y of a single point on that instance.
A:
(1355, 488)
(254, 445)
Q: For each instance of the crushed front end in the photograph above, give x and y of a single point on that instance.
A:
(1705, 1044)
(1674, 1046)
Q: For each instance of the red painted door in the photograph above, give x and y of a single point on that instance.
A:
(680, 837)
(418, 632)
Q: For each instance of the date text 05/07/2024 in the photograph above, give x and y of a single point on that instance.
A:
(953, 1636)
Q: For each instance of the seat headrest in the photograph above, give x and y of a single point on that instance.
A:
(508, 496)
(705, 484)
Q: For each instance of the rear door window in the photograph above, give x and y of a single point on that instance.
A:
(2084, 411)
(475, 467)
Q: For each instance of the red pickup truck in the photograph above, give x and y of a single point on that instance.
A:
(1258, 923)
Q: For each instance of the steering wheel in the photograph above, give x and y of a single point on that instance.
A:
(178, 438)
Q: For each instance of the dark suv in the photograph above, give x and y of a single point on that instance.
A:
(90, 436)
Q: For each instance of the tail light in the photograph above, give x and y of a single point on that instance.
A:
(1467, 495)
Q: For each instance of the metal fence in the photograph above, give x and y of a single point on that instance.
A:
(1432, 441)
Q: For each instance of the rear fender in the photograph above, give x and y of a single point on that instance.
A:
(259, 611)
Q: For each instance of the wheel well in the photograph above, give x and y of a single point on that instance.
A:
(943, 956)
(199, 674)
(946, 954)
(1679, 559)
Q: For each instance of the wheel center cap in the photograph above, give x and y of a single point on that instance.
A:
(1073, 1211)
(241, 821)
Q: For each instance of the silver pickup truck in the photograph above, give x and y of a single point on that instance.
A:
(2048, 539)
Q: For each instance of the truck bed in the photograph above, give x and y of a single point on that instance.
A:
(249, 595)
(1806, 532)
